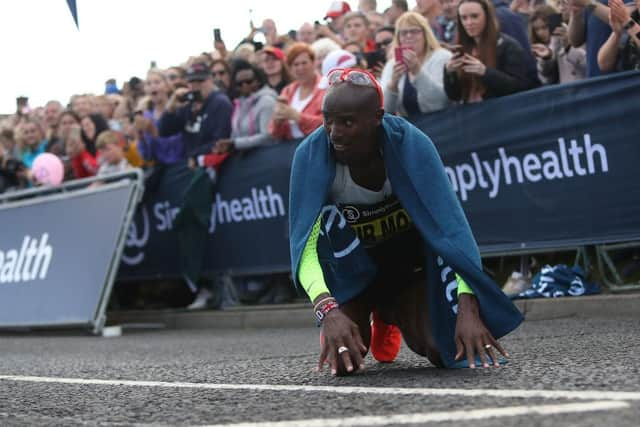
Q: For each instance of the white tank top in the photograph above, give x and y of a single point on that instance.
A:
(344, 189)
(298, 104)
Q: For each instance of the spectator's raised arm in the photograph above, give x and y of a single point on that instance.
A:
(608, 52)
(618, 52)
(577, 28)
(174, 119)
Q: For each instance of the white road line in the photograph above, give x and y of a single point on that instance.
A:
(502, 393)
(474, 414)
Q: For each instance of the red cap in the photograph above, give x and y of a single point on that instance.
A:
(337, 9)
(278, 53)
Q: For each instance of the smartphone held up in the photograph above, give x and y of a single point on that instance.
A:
(554, 21)
(457, 50)
(397, 52)
(217, 37)
(191, 96)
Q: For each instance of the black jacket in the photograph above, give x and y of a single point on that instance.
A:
(509, 76)
(200, 130)
(512, 25)
(9, 178)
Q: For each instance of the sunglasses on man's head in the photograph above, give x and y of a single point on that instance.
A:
(173, 77)
(357, 77)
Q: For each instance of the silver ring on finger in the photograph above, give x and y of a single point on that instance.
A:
(342, 349)
(488, 346)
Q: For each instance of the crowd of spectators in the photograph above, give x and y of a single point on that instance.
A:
(439, 53)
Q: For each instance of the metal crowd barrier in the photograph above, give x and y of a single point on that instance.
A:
(132, 179)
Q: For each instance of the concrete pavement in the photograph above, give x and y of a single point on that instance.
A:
(564, 372)
(300, 315)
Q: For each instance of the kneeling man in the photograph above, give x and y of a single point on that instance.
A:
(376, 232)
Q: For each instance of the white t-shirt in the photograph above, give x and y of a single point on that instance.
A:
(298, 105)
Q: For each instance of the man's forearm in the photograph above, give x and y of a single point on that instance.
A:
(601, 12)
(576, 29)
(170, 123)
(608, 54)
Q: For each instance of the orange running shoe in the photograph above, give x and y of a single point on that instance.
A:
(385, 340)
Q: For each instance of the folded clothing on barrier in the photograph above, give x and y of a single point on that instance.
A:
(559, 281)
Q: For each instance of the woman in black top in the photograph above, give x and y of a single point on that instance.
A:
(486, 63)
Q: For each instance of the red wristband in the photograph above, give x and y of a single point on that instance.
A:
(325, 308)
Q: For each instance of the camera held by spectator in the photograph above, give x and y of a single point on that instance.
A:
(191, 97)
(201, 121)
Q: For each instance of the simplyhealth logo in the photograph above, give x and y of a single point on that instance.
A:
(570, 160)
(30, 262)
(259, 204)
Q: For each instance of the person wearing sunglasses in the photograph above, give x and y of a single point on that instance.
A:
(412, 80)
(376, 229)
(252, 109)
(384, 39)
(376, 60)
(175, 77)
(221, 72)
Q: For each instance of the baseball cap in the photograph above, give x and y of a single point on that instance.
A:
(197, 71)
(278, 53)
(337, 59)
(337, 9)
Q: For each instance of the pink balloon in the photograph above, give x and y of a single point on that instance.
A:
(48, 169)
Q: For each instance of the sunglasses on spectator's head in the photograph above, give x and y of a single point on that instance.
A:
(357, 77)
(241, 83)
(383, 43)
(173, 77)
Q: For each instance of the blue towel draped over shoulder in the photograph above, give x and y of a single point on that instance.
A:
(419, 180)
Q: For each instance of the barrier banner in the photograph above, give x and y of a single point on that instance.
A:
(551, 168)
(248, 228)
(56, 255)
(544, 169)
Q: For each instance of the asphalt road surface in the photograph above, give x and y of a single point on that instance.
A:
(563, 372)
